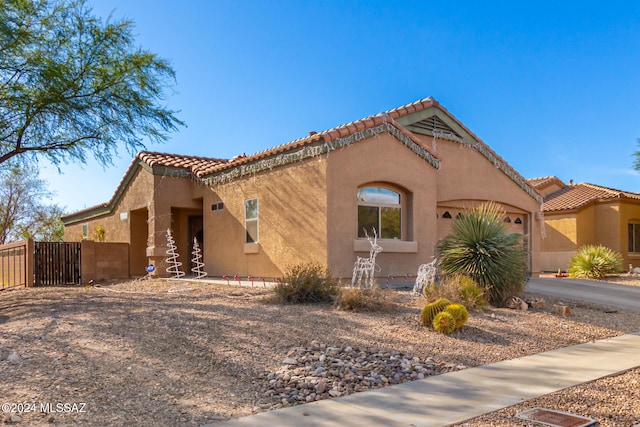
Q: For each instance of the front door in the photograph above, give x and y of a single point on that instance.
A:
(196, 230)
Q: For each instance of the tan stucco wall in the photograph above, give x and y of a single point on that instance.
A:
(585, 226)
(102, 261)
(562, 233)
(607, 226)
(556, 260)
(136, 195)
(292, 205)
(385, 161)
(560, 243)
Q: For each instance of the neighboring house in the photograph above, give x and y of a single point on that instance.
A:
(585, 214)
(406, 172)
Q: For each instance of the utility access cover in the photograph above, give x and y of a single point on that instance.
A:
(550, 417)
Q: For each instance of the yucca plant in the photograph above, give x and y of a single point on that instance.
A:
(595, 262)
(481, 247)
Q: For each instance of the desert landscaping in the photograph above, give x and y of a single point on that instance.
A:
(189, 353)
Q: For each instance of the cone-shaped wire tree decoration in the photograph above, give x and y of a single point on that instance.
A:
(173, 269)
(196, 261)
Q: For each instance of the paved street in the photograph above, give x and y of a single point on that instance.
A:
(627, 297)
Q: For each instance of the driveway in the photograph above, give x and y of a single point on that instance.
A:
(611, 294)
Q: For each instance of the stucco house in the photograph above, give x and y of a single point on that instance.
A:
(586, 214)
(406, 172)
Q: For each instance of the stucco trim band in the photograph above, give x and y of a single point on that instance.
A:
(316, 150)
(388, 246)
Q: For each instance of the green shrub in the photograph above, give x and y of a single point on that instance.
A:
(430, 310)
(481, 247)
(444, 322)
(459, 313)
(304, 283)
(457, 288)
(365, 299)
(595, 262)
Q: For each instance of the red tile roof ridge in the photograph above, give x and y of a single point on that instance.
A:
(544, 178)
(153, 158)
(329, 135)
(614, 191)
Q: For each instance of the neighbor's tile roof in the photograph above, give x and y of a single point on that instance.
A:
(545, 181)
(576, 196)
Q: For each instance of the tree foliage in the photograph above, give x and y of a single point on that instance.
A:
(71, 84)
(481, 247)
(22, 211)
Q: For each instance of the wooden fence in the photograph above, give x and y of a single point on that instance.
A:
(16, 266)
(57, 263)
(29, 263)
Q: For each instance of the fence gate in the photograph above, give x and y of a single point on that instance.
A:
(56, 263)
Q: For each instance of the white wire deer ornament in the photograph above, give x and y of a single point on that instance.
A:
(365, 268)
(426, 276)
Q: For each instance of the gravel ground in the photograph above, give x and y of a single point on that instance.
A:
(178, 353)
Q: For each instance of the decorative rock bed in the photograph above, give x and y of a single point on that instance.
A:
(321, 372)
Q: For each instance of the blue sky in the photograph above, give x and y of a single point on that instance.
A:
(553, 87)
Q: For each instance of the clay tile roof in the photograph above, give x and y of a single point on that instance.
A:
(330, 135)
(577, 196)
(176, 160)
(151, 159)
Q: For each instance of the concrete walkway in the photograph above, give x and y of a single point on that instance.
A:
(458, 396)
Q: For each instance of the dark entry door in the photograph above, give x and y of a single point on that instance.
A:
(196, 229)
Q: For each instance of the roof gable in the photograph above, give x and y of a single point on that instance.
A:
(433, 119)
(547, 184)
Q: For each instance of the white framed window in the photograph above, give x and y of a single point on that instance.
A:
(379, 208)
(85, 231)
(251, 220)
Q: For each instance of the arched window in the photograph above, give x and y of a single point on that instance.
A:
(379, 208)
(518, 221)
(446, 214)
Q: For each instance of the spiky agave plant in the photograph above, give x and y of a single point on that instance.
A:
(595, 262)
(481, 247)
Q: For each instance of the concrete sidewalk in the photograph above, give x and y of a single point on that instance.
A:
(458, 396)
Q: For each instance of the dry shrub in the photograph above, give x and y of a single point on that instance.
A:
(306, 283)
(460, 289)
(365, 299)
